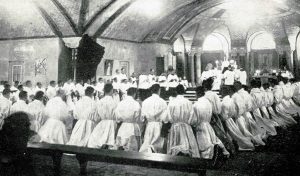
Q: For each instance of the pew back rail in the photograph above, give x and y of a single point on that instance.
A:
(150, 160)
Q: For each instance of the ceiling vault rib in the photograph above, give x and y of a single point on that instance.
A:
(65, 14)
(94, 17)
(82, 15)
(192, 17)
(49, 21)
(110, 20)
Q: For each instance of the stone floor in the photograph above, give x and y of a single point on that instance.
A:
(281, 157)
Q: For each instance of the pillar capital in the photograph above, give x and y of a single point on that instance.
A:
(72, 42)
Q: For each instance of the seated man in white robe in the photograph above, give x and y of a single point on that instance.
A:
(86, 114)
(21, 104)
(181, 140)
(128, 112)
(35, 111)
(5, 106)
(103, 135)
(51, 90)
(57, 113)
(155, 111)
(206, 137)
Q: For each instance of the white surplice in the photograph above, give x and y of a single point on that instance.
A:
(54, 130)
(227, 112)
(85, 113)
(258, 102)
(181, 136)
(128, 112)
(5, 106)
(104, 132)
(36, 116)
(19, 106)
(205, 135)
(155, 110)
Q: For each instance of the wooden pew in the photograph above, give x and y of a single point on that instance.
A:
(150, 160)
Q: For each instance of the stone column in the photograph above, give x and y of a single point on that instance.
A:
(192, 67)
(198, 68)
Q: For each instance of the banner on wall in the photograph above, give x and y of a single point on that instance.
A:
(40, 66)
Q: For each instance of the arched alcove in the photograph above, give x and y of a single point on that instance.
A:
(215, 48)
(262, 52)
(179, 49)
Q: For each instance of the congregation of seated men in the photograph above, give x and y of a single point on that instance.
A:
(242, 119)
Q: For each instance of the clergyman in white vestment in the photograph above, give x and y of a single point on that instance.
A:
(57, 113)
(128, 112)
(86, 114)
(104, 132)
(5, 106)
(155, 110)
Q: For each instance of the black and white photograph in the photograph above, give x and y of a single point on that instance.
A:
(150, 87)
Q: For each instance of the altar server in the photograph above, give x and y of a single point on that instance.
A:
(57, 113)
(181, 137)
(85, 113)
(128, 112)
(154, 109)
(5, 106)
(104, 133)
(227, 112)
(206, 137)
(21, 104)
(35, 111)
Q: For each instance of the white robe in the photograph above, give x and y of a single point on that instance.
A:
(5, 106)
(51, 92)
(128, 111)
(206, 137)
(227, 112)
(181, 136)
(85, 113)
(104, 132)
(154, 109)
(36, 116)
(19, 106)
(54, 130)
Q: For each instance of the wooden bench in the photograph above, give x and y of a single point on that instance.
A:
(150, 160)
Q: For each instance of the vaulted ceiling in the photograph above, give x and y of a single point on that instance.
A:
(138, 20)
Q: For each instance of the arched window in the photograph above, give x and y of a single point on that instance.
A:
(262, 41)
(213, 43)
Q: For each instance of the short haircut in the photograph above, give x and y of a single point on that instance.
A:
(208, 83)
(254, 83)
(16, 82)
(38, 83)
(122, 68)
(52, 82)
(39, 95)
(59, 81)
(6, 92)
(100, 79)
(200, 91)
(266, 85)
(6, 86)
(20, 86)
(27, 82)
(180, 89)
(108, 87)
(131, 91)
(155, 88)
(172, 92)
(285, 80)
(23, 94)
(89, 91)
(237, 85)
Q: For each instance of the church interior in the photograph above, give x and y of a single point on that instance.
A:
(75, 48)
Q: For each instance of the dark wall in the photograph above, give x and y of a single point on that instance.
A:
(65, 68)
